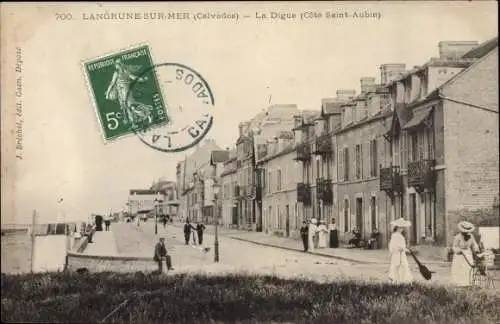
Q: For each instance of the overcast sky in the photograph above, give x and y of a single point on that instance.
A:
(296, 61)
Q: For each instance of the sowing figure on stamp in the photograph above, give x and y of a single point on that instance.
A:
(119, 88)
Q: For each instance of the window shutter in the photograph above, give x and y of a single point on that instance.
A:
(361, 164)
(375, 157)
(340, 175)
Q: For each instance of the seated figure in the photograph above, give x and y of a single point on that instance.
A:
(356, 237)
(373, 240)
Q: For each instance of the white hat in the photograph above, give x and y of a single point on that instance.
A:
(466, 227)
(313, 220)
(401, 222)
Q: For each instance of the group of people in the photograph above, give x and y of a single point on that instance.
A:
(466, 254)
(317, 235)
(193, 232)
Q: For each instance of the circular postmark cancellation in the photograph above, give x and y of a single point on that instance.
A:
(189, 103)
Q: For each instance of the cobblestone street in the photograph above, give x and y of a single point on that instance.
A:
(240, 256)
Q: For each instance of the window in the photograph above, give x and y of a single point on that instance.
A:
(358, 162)
(404, 150)
(373, 204)
(414, 148)
(373, 158)
(395, 152)
(269, 179)
(346, 163)
(346, 215)
(278, 180)
(263, 184)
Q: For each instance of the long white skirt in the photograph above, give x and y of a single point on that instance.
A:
(399, 270)
(461, 270)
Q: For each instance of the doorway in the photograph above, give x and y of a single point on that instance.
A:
(373, 208)
(413, 218)
(359, 215)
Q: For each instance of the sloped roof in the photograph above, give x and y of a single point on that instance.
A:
(482, 49)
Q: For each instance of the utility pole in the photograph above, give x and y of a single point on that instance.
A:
(33, 225)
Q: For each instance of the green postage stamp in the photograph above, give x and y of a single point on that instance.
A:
(120, 110)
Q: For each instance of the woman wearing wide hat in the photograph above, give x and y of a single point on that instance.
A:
(399, 270)
(463, 246)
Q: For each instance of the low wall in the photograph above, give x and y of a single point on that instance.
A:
(99, 263)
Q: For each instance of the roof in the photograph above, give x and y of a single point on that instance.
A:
(219, 156)
(330, 106)
(482, 49)
(142, 192)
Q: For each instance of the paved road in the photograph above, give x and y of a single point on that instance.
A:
(247, 257)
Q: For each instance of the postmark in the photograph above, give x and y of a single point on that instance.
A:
(190, 103)
(110, 79)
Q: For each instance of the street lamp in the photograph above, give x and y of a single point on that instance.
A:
(216, 189)
(157, 201)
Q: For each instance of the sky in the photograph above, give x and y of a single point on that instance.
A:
(297, 62)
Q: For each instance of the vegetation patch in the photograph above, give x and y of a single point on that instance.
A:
(183, 298)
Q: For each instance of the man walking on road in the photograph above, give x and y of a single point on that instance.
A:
(187, 231)
(304, 234)
(199, 229)
(160, 254)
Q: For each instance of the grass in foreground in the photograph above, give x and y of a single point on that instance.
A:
(73, 298)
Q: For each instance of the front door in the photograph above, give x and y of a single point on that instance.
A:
(359, 215)
(413, 219)
(287, 220)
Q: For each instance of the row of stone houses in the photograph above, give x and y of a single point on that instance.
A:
(422, 144)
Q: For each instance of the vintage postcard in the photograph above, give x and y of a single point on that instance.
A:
(250, 162)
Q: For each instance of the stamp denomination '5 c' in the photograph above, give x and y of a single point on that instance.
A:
(119, 110)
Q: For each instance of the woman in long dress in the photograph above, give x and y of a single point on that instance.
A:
(312, 233)
(334, 234)
(322, 234)
(463, 246)
(399, 270)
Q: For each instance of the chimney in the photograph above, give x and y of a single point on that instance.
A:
(368, 85)
(452, 50)
(243, 127)
(391, 71)
(346, 94)
(297, 120)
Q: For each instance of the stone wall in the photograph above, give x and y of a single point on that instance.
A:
(95, 263)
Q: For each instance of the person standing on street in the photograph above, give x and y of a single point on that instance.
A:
(304, 234)
(334, 234)
(312, 235)
(399, 270)
(164, 221)
(107, 222)
(199, 229)
(463, 247)
(187, 231)
(160, 254)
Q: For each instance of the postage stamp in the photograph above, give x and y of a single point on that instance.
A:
(119, 110)
(190, 103)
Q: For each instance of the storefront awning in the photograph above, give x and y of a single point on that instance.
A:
(418, 117)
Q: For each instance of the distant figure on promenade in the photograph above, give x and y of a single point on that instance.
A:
(334, 234)
(312, 234)
(372, 243)
(464, 245)
(107, 222)
(187, 231)
(164, 221)
(199, 229)
(138, 220)
(89, 231)
(304, 234)
(160, 254)
(322, 234)
(399, 270)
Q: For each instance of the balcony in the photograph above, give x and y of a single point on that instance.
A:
(324, 190)
(323, 145)
(303, 152)
(304, 193)
(390, 180)
(421, 174)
